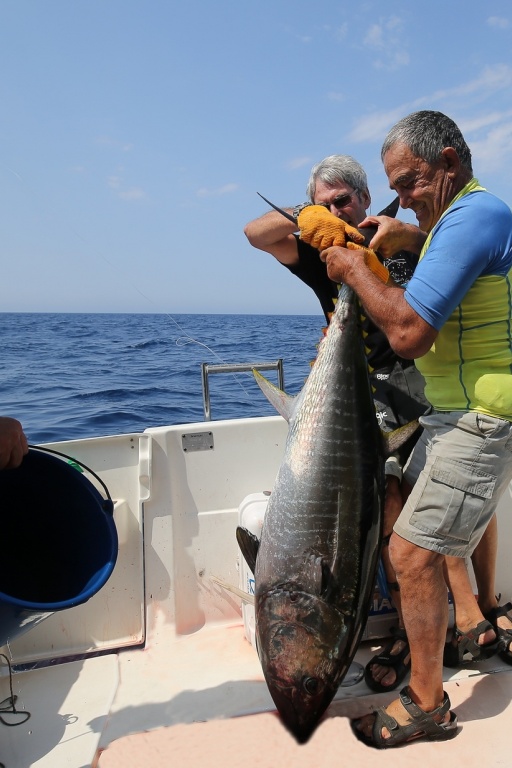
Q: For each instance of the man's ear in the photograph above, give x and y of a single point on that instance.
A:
(451, 160)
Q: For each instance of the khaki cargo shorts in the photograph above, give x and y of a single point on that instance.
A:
(459, 468)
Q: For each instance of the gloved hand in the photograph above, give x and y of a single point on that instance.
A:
(321, 228)
(371, 260)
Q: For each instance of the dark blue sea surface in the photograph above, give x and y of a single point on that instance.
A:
(67, 376)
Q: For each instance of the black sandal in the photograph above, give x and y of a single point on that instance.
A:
(467, 650)
(504, 635)
(423, 725)
(387, 659)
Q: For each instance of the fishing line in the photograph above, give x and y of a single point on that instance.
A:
(183, 341)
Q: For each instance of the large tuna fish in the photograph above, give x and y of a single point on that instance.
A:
(315, 566)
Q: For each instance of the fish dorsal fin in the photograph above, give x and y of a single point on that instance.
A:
(283, 403)
(393, 440)
(249, 545)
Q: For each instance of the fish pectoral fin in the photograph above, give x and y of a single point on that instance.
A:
(249, 545)
(328, 579)
(318, 577)
(393, 440)
(283, 403)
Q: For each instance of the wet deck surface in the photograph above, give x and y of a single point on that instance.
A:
(483, 706)
(239, 728)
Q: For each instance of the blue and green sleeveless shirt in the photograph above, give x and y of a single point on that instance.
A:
(462, 287)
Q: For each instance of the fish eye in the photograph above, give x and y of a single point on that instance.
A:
(310, 685)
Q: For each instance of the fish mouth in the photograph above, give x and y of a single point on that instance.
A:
(300, 717)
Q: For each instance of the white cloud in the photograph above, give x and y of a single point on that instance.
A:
(334, 96)
(498, 22)
(485, 87)
(386, 39)
(474, 124)
(492, 79)
(298, 162)
(106, 141)
(492, 150)
(217, 192)
(125, 193)
(342, 32)
(393, 60)
(374, 126)
(132, 193)
(374, 38)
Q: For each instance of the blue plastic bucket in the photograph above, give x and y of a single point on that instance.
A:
(58, 541)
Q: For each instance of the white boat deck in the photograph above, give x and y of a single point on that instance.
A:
(201, 699)
(257, 738)
(161, 672)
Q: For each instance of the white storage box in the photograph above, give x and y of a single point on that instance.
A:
(251, 513)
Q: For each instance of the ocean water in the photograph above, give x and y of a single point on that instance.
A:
(68, 376)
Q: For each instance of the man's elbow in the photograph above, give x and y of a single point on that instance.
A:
(249, 233)
(411, 346)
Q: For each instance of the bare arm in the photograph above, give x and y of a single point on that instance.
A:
(408, 334)
(273, 233)
(13, 443)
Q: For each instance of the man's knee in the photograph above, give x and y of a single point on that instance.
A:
(407, 558)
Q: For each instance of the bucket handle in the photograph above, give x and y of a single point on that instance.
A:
(76, 461)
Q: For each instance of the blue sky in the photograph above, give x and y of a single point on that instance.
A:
(136, 133)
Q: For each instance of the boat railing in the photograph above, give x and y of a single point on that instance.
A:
(207, 369)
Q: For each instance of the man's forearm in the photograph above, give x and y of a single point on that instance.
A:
(408, 334)
(269, 228)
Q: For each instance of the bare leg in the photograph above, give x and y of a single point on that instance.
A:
(484, 565)
(425, 611)
(467, 611)
(420, 574)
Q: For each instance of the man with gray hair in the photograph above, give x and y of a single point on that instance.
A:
(339, 183)
(454, 318)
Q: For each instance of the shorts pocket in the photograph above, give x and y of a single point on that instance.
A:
(457, 497)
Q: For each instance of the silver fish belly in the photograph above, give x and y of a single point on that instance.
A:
(315, 565)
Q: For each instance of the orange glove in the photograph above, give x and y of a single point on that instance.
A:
(371, 261)
(321, 228)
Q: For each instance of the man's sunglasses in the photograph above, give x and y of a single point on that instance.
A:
(339, 202)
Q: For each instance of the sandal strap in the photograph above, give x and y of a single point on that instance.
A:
(500, 610)
(504, 635)
(399, 633)
(423, 723)
(388, 659)
(416, 712)
(467, 642)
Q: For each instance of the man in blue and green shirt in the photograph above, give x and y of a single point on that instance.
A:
(454, 319)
